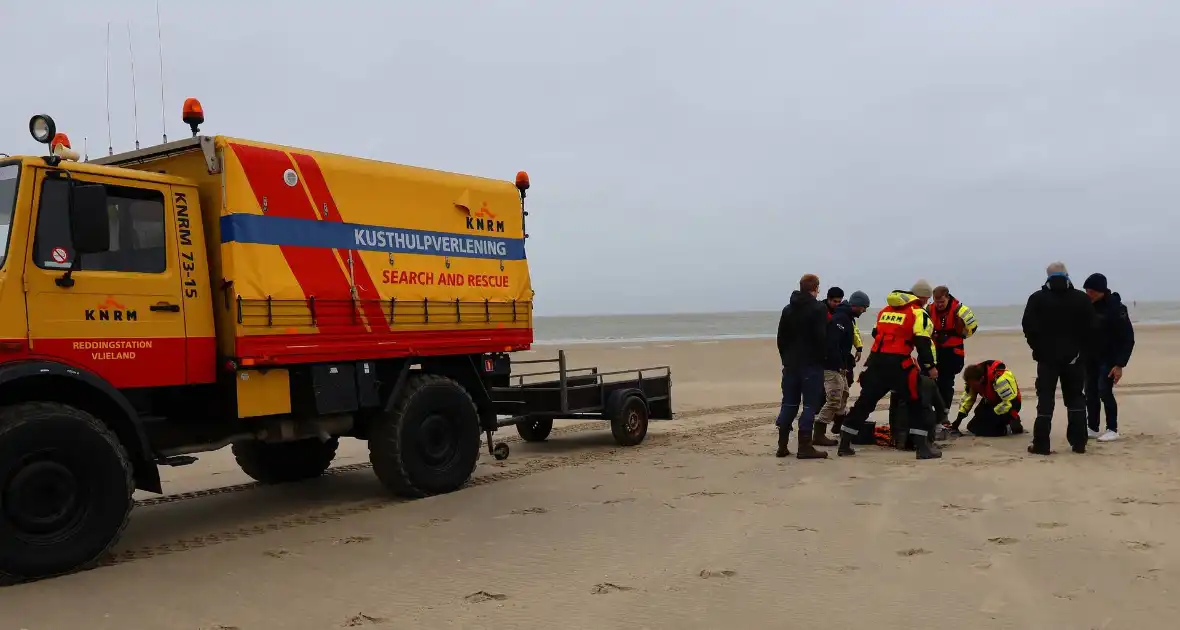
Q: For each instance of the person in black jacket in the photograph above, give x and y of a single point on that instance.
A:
(1107, 354)
(802, 341)
(1057, 324)
(836, 357)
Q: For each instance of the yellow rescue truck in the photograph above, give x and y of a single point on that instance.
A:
(216, 292)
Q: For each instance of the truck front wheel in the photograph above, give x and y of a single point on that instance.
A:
(429, 444)
(65, 490)
(285, 462)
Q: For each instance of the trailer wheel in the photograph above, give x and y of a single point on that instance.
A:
(430, 443)
(535, 430)
(285, 462)
(65, 490)
(629, 421)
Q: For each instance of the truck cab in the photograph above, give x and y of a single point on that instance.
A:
(137, 314)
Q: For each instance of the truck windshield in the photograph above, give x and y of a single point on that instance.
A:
(8, 180)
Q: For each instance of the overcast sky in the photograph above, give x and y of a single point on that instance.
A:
(689, 155)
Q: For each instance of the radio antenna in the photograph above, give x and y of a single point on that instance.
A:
(160, 43)
(134, 102)
(110, 142)
(85, 148)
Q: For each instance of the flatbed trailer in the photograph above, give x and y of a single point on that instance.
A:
(628, 399)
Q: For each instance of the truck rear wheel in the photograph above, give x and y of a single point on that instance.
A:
(285, 462)
(429, 444)
(534, 430)
(65, 490)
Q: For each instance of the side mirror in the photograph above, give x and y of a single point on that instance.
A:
(89, 223)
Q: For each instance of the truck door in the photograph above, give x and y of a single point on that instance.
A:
(122, 319)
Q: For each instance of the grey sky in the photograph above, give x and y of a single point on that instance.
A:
(690, 155)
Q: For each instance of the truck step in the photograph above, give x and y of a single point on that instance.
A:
(178, 460)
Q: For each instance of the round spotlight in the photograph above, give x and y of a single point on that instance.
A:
(42, 129)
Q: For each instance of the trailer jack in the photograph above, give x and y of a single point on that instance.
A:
(499, 451)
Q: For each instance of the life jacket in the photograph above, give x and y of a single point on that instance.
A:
(947, 325)
(994, 370)
(895, 330)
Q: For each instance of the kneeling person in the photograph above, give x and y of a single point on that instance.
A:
(1000, 409)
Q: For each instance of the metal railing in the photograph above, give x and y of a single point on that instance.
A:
(312, 312)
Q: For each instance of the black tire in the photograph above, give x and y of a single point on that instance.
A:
(629, 423)
(65, 490)
(430, 443)
(535, 430)
(285, 462)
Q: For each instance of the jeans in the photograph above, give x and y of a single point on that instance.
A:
(1099, 394)
(804, 385)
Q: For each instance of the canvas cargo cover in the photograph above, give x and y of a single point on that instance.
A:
(305, 236)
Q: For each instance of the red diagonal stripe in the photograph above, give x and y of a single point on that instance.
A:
(315, 268)
(313, 177)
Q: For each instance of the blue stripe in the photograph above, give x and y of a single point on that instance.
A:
(264, 230)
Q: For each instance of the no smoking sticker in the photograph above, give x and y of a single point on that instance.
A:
(60, 256)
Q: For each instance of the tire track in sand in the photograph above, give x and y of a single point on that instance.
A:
(530, 467)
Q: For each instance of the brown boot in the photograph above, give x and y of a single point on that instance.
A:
(819, 436)
(806, 450)
(784, 438)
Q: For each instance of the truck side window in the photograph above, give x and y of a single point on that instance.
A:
(136, 219)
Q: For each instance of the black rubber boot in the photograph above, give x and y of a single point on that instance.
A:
(819, 435)
(806, 450)
(837, 422)
(845, 449)
(1017, 427)
(925, 448)
(784, 438)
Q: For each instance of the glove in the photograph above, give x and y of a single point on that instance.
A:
(958, 420)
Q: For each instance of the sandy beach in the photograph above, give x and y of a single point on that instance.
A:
(698, 527)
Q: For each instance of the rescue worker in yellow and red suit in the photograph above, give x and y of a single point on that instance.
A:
(902, 328)
(999, 410)
(953, 323)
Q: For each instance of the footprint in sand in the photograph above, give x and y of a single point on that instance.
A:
(220, 627)
(917, 551)
(960, 508)
(614, 501)
(276, 553)
(606, 588)
(532, 510)
(1002, 540)
(361, 619)
(1118, 513)
(866, 503)
(1053, 525)
(436, 521)
(707, 574)
(705, 494)
(352, 540)
(479, 597)
(798, 528)
(982, 565)
(1139, 545)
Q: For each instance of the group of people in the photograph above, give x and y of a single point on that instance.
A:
(1080, 338)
